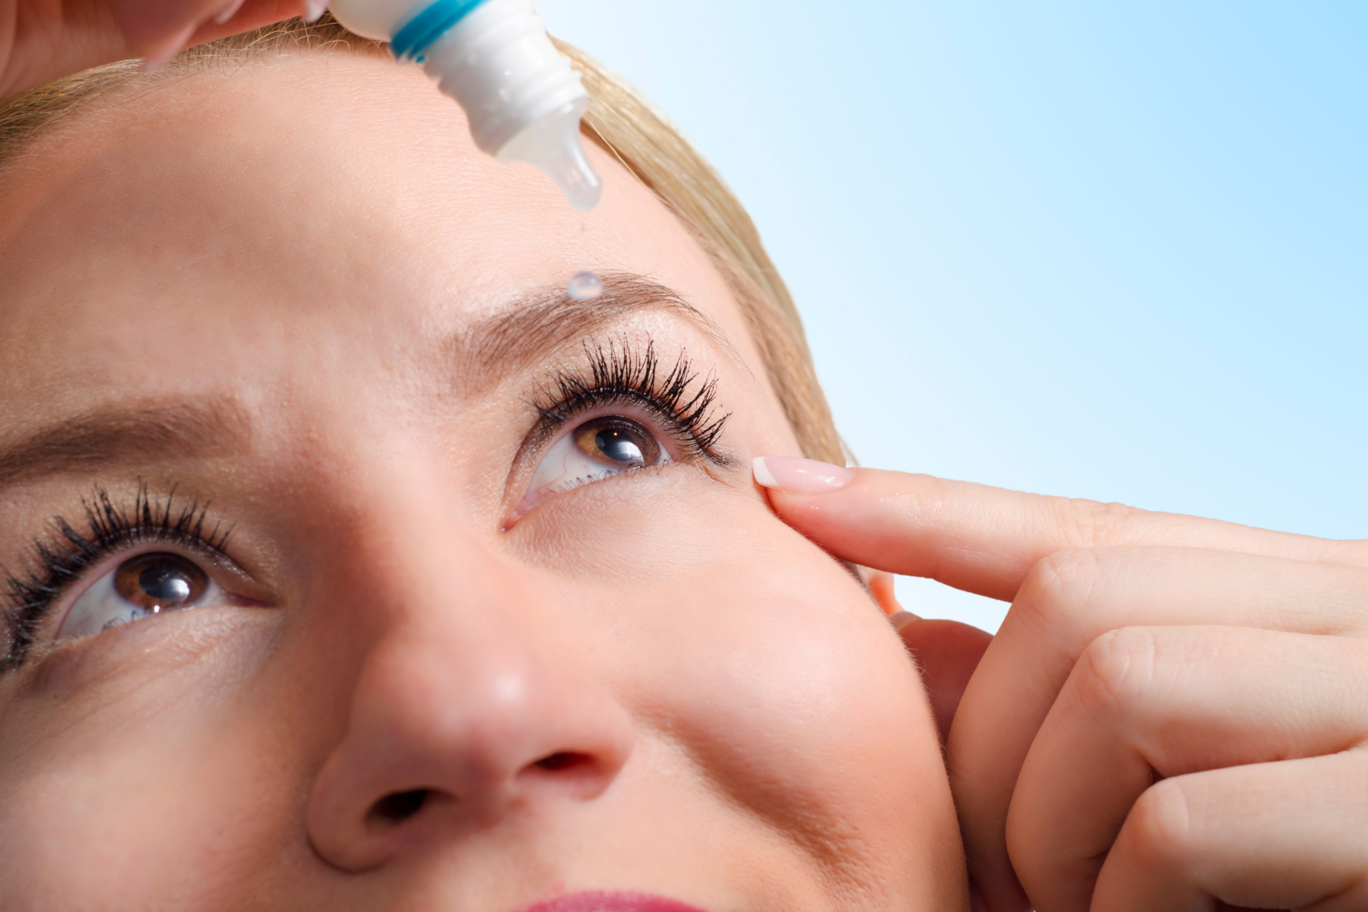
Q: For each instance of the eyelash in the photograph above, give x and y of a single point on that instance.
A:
(619, 375)
(109, 529)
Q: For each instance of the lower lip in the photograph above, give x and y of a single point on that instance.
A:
(611, 902)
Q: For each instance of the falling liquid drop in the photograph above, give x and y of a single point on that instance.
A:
(585, 287)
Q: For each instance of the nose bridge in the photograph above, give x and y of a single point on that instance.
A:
(458, 648)
(416, 569)
(464, 697)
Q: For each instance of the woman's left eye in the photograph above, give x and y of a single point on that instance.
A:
(140, 587)
(597, 449)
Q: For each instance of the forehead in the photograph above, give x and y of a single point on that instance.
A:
(287, 199)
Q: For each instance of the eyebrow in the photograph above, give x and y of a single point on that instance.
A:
(154, 433)
(521, 335)
(543, 324)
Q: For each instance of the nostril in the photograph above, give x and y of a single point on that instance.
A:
(397, 807)
(562, 761)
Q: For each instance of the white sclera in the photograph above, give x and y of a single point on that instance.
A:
(585, 287)
(101, 607)
(565, 467)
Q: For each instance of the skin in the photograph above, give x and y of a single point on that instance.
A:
(311, 246)
(1208, 670)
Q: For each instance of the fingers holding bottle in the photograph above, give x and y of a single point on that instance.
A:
(157, 30)
(48, 41)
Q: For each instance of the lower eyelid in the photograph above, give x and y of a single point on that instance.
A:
(528, 505)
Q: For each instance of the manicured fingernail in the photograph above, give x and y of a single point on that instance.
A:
(228, 11)
(173, 46)
(800, 476)
(314, 9)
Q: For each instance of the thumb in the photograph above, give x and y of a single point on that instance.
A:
(947, 653)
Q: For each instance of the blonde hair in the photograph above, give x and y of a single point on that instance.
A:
(621, 120)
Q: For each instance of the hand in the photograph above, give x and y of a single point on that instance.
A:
(1173, 714)
(43, 40)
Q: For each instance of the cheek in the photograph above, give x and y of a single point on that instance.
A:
(152, 797)
(792, 694)
(133, 829)
(780, 680)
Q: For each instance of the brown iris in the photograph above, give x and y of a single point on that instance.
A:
(160, 582)
(618, 442)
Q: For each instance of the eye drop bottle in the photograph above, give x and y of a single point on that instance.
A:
(523, 100)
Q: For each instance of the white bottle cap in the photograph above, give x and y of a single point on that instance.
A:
(522, 99)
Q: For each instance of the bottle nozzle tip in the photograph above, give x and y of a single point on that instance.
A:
(569, 167)
(556, 149)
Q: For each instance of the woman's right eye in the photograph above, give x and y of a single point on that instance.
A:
(141, 586)
(597, 449)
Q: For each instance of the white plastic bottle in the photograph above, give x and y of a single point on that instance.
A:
(523, 100)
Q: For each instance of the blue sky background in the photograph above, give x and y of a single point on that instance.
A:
(1116, 251)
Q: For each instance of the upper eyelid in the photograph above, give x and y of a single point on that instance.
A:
(666, 436)
(560, 425)
(618, 371)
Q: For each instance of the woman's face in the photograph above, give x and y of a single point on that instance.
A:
(387, 576)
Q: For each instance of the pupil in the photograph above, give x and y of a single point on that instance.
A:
(618, 446)
(164, 585)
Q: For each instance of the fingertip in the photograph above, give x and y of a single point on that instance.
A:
(763, 476)
(882, 585)
(795, 475)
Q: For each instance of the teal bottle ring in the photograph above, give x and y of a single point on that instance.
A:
(411, 41)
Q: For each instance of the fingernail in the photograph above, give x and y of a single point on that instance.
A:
(314, 9)
(173, 46)
(800, 476)
(228, 11)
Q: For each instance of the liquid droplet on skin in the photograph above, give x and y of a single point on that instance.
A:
(585, 287)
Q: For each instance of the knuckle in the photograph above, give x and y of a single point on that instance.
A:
(1159, 831)
(1116, 669)
(1057, 585)
(1092, 524)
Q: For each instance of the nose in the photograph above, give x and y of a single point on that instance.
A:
(465, 710)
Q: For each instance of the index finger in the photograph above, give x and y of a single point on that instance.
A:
(156, 29)
(985, 540)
